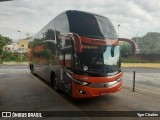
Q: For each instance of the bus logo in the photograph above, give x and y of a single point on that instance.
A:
(6, 114)
(98, 41)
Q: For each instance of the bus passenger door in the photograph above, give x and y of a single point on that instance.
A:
(66, 70)
(67, 73)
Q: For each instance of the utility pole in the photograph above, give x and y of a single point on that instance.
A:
(118, 30)
(19, 43)
(27, 35)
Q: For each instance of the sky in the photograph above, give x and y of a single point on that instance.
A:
(135, 17)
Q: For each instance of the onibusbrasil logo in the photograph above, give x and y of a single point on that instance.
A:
(21, 114)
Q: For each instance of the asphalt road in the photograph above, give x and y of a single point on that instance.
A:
(146, 79)
(142, 70)
(21, 91)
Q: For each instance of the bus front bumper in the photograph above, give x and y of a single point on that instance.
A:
(80, 91)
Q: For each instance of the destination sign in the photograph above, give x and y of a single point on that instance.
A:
(90, 47)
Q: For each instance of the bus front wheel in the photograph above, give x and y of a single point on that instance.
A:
(54, 82)
(32, 70)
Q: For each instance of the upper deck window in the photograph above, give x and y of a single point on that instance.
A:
(91, 25)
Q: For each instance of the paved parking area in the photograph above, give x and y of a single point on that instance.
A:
(21, 91)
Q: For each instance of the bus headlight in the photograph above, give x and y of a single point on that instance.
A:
(81, 82)
(78, 81)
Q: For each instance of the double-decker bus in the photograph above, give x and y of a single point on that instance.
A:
(78, 53)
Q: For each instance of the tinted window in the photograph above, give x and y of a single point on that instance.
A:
(98, 60)
(62, 27)
(61, 24)
(86, 24)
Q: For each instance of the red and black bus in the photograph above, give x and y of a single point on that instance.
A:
(78, 53)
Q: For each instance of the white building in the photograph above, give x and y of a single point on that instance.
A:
(12, 47)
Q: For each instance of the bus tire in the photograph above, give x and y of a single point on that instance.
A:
(32, 70)
(54, 82)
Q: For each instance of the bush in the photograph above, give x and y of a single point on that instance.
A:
(142, 58)
(14, 56)
(125, 49)
(132, 60)
(1, 61)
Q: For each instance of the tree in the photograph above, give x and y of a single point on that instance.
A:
(125, 49)
(3, 41)
(136, 39)
(150, 43)
(2, 44)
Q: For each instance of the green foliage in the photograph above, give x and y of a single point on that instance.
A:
(3, 41)
(125, 49)
(50, 35)
(149, 43)
(137, 59)
(14, 56)
(132, 60)
(135, 39)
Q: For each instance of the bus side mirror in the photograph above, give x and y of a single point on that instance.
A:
(77, 43)
(76, 40)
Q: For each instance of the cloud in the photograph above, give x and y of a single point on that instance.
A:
(30, 16)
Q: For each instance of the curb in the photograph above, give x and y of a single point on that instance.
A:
(15, 63)
(140, 65)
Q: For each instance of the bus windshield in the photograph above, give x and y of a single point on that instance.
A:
(102, 62)
(91, 25)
